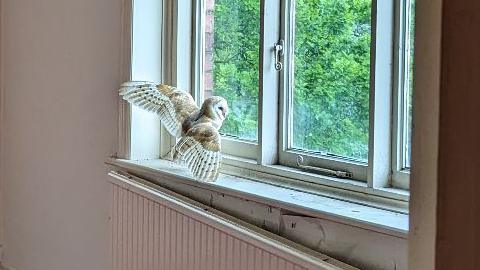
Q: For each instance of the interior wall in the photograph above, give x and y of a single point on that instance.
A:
(59, 119)
(445, 206)
(60, 71)
(458, 211)
(423, 184)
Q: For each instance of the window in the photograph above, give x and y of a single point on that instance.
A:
(311, 83)
(227, 57)
(329, 96)
(230, 62)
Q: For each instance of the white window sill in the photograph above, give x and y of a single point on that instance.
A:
(315, 204)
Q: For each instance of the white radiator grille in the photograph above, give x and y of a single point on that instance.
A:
(151, 229)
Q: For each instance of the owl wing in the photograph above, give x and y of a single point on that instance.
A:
(200, 150)
(172, 105)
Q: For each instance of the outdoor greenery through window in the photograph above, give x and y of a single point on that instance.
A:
(332, 77)
(231, 57)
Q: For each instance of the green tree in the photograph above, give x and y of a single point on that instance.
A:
(332, 75)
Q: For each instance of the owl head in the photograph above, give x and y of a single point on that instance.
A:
(216, 108)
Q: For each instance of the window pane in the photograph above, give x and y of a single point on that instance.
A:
(332, 77)
(231, 55)
(409, 82)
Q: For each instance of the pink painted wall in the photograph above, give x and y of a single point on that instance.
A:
(60, 69)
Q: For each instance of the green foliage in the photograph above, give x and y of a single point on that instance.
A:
(331, 76)
(331, 72)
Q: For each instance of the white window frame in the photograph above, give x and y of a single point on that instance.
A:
(273, 147)
(270, 158)
(377, 172)
(139, 132)
(158, 48)
(400, 173)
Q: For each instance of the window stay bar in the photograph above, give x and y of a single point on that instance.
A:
(341, 174)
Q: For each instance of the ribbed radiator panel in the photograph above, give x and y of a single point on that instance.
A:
(151, 232)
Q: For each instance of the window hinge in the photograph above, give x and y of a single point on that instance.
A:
(278, 48)
(342, 174)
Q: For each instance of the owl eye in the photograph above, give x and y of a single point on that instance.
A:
(220, 108)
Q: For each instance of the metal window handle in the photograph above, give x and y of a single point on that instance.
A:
(341, 174)
(278, 48)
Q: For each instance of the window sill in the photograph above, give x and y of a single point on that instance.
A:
(355, 191)
(386, 219)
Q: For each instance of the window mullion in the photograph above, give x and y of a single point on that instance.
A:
(198, 43)
(286, 23)
(398, 86)
(400, 174)
(269, 83)
(124, 108)
(177, 62)
(169, 65)
(379, 168)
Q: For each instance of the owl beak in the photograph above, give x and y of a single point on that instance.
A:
(225, 112)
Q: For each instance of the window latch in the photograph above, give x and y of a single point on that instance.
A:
(278, 48)
(341, 174)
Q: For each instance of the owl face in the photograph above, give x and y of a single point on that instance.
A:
(216, 108)
(220, 108)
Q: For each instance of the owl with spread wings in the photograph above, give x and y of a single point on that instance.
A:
(200, 143)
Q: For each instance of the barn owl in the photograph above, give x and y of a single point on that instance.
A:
(200, 143)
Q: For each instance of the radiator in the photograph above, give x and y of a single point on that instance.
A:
(155, 228)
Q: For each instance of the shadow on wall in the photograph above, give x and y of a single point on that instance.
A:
(2, 267)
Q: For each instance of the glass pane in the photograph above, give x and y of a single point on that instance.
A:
(409, 82)
(332, 77)
(231, 56)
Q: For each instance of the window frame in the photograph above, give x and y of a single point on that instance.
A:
(400, 173)
(231, 146)
(377, 172)
(264, 158)
(287, 154)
